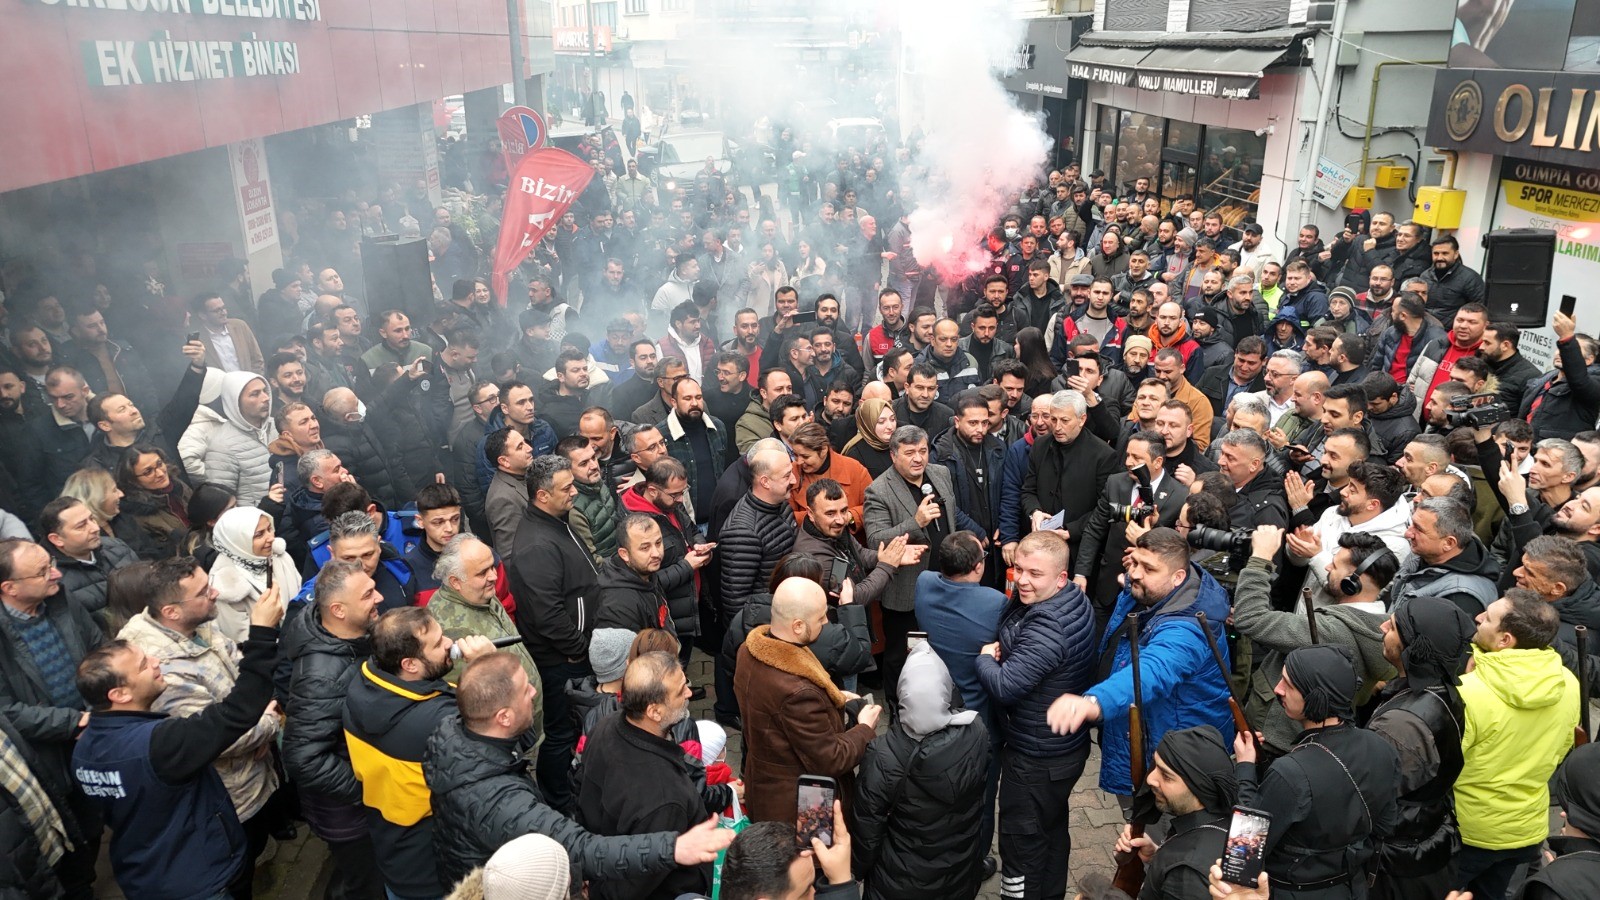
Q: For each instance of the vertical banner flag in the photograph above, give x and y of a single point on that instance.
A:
(541, 188)
(522, 131)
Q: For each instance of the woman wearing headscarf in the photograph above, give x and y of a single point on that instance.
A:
(1193, 783)
(875, 424)
(919, 799)
(250, 558)
(1332, 793)
(1428, 640)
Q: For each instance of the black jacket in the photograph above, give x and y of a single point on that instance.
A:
(844, 648)
(484, 795)
(85, 582)
(1262, 502)
(65, 449)
(1568, 406)
(403, 433)
(1452, 289)
(1397, 426)
(1215, 382)
(754, 538)
(22, 457)
(463, 473)
(1358, 267)
(1046, 649)
(628, 601)
(381, 471)
(554, 581)
(1514, 372)
(919, 813)
(322, 668)
(24, 874)
(1067, 477)
(649, 786)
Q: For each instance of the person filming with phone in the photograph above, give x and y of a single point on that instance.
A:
(1331, 799)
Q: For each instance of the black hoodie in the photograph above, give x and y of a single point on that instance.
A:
(1467, 580)
(1397, 426)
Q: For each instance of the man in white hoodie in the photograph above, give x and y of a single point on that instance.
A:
(1371, 502)
(226, 443)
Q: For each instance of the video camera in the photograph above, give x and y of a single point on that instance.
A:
(1477, 411)
(1235, 543)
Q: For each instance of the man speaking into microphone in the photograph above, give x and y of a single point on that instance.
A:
(917, 500)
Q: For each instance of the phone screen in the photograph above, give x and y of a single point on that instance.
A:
(1569, 304)
(841, 569)
(1247, 842)
(801, 318)
(915, 639)
(815, 817)
(1073, 369)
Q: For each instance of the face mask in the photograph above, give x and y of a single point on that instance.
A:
(361, 411)
(1011, 234)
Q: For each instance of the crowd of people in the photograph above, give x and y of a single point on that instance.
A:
(431, 588)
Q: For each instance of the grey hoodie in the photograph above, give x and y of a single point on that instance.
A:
(925, 691)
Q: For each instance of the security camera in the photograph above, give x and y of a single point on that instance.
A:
(1263, 132)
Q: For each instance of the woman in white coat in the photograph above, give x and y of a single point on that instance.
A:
(250, 558)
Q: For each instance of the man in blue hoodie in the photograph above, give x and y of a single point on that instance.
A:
(1181, 682)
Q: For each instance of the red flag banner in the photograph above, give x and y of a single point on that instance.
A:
(544, 184)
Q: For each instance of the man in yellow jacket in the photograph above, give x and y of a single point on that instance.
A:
(1521, 709)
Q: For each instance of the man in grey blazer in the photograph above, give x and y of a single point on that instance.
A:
(914, 498)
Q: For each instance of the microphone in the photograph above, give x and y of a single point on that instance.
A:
(455, 649)
(927, 491)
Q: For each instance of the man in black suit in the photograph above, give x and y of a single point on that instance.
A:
(1243, 375)
(1099, 556)
(1067, 473)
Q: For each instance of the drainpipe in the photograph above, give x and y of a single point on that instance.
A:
(1319, 130)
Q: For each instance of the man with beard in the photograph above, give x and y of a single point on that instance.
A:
(686, 340)
(1420, 713)
(1566, 402)
(733, 394)
(1451, 283)
(1379, 296)
(746, 343)
(1171, 332)
(920, 405)
(1216, 345)
(844, 340)
(1221, 383)
(1308, 249)
(1350, 621)
(30, 345)
(1139, 274)
(642, 387)
(698, 441)
(1191, 780)
(975, 459)
(649, 785)
(1506, 363)
(1105, 535)
(1034, 305)
(891, 331)
(569, 395)
(1095, 319)
(1353, 774)
(396, 343)
(634, 582)
(1182, 685)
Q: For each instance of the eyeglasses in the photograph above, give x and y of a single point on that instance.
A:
(45, 574)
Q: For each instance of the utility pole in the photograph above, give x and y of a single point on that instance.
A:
(519, 84)
(594, 74)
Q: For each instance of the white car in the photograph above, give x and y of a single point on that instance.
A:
(679, 157)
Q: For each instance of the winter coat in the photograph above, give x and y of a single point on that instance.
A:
(956, 374)
(226, 449)
(25, 874)
(1397, 426)
(463, 472)
(1046, 650)
(238, 587)
(408, 442)
(1182, 685)
(919, 799)
(949, 452)
(680, 448)
(553, 578)
(374, 465)
(1389, 346)
(1452, 289)
(1311, 301)
(632, 603)
(595, 519)
(85, 582)
(504, 503)
(1522, 707)
(755, 536)
(156, 517)
(315, 755)
(1568, 406)
(844, 647)
(677, 534)
(199, 672)
(1068, 477)
(540, 436)
(1358, 267)
(484, 795)
(1273, 634)
(1467, 580)
(794, 724)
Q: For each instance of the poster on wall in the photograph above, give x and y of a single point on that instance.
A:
(253, 193)
(1565, 200)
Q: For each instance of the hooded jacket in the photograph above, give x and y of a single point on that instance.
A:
(235, 454)
(484, 795)
(1397, 425)
(677, 533)
(1522, 706)
(1180, 679)
(1581, 607)
(239, 576)
(1311, 301)
(315, 755)
(1297, 338)
(919, 801)
(633, 603)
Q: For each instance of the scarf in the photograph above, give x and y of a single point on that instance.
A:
(1200, 758)
(234, 535)
(1437, 638)
(1325, 675)
(19, 781)
(867, 422)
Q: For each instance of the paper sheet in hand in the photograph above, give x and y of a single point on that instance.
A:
(1055, 522)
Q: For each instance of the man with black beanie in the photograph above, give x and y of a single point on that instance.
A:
(1332, 797)
(1193, 782)
(1428, 641)
(1575, 872)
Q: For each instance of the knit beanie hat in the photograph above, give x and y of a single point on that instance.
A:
(531, 867)
(1189, 237)
(1138, 340)
(608, 653)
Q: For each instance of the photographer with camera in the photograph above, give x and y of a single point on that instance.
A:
(1146, 495)
(1347, 613)
(1182, 685)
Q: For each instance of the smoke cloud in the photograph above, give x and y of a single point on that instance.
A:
(979, 147)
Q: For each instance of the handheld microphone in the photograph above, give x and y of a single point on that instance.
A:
(927, 491)
(499, 643)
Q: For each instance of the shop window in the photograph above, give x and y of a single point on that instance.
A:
(636, 8)
(1230, 174)
(1139, 140)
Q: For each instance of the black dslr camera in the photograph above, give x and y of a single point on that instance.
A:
(1145, 506)
(1477, 411)
(1235, 543)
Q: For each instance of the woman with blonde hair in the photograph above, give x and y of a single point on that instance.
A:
(99, 491)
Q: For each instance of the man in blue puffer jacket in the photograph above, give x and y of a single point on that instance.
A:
(1046, 647)
(1181, 683)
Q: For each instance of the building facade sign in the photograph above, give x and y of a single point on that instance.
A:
(1542, 116)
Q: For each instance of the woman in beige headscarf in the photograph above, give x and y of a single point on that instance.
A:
(875, 424)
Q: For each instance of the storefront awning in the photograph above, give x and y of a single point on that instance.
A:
(1228, 66)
